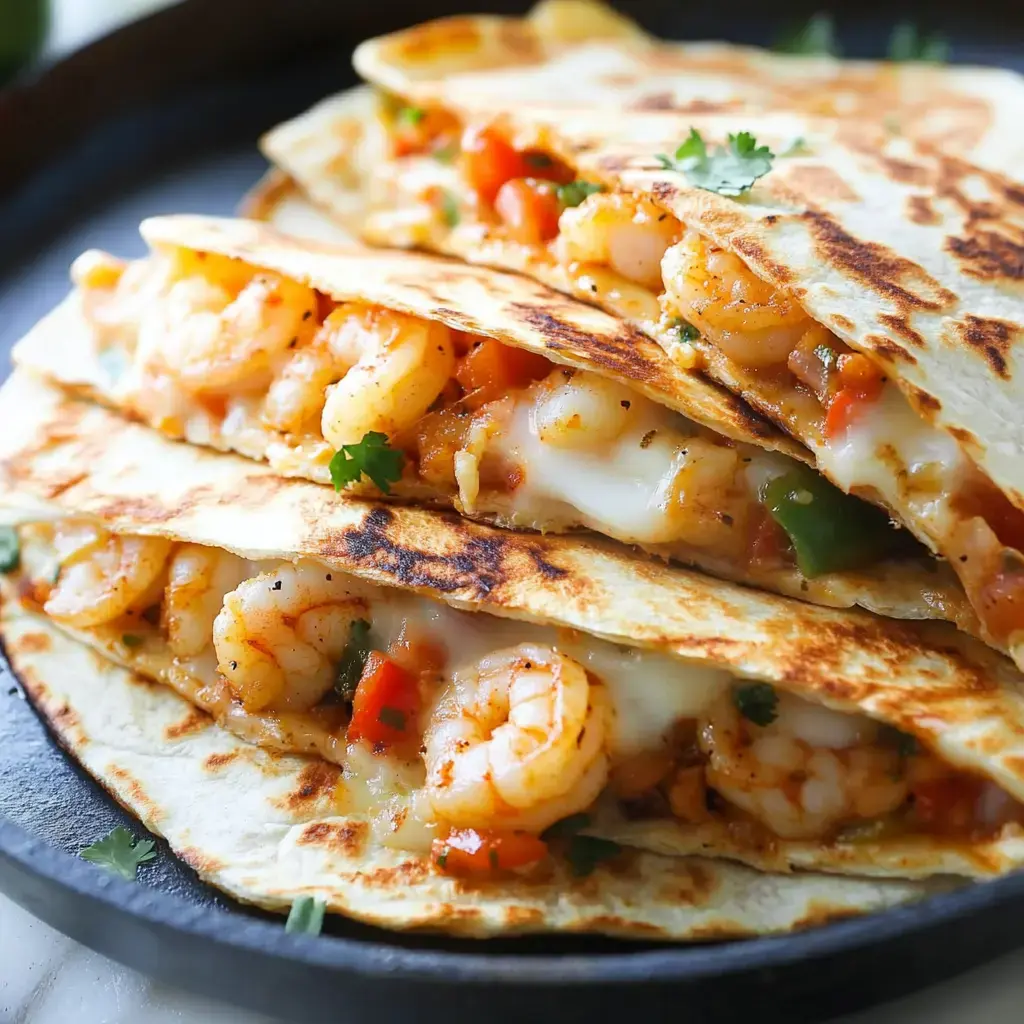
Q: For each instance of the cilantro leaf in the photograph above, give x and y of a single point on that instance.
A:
(907, 43)
(131, 640)
(757, 702)
(686, 330)
(119, 852)
(372, 457)
(816, 36)
(449, 208)
(586, 852)
(566, 827)
(353, 660)
(576, 191)
(729, 170)
(411, 115)
(395, 718)
(306, 916)
(10, 549)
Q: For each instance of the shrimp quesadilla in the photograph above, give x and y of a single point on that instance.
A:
(863, 293)
(451, 384)
(489, 695)
(584, 54)
(271, 828)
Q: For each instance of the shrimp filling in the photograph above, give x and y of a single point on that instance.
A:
(460, 732)
(223, 353)
(710, 310)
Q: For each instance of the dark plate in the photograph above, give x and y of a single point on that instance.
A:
(162, 117)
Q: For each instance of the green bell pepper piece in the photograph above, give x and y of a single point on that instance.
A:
(830, 531)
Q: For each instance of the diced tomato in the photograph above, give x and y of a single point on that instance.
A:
(488, 161)
(949, 804)
(529, 209)
(857, 372)
(861, 383)
(546, 167)
(491, 370)
(845, 407)
(386, 704)
(422, 131)
(439, 435)
(418, 655)
(469, 851)
(768, 541)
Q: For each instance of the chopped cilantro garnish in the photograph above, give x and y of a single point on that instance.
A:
(586, 852)
(393, 717)
(10, 549)
(729, 170)
(757, 702)
(576, 191)
(686, 330)
(492, 857)
(411, 115)
(442, 857)
(449, 208)
(816, 36)
(372, 457)
(907, 43)
(131, 640)
(306, 916)
(118, 852)
(353, 660)
(566, 827)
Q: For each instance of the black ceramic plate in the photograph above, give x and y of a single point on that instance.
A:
(163, 117)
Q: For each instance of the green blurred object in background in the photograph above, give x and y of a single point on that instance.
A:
(23, 25)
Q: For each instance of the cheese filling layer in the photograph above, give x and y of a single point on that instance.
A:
(223, 353)
(709, 309)
(448, 722)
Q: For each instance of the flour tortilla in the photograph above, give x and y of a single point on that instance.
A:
(575, 53)
(906, 253)
(262, 827)
(62, 348)
(64, 456)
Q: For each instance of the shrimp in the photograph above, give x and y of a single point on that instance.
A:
(584, 411)
(520, 742)
(806, 774)
(399, 365)
(622, 231)
(211, 338)
(104, 575)
(748, 319)
(198, 579)
(279, 635)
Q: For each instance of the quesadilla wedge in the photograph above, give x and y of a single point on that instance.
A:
(863, 294)
(583, 54)
(451, 384)
(270, 829)
(489, 694)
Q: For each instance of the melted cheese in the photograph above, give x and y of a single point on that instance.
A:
(908, 463)
(649, 691)
(622, 487)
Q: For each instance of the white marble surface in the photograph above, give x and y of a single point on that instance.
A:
(46, 978)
